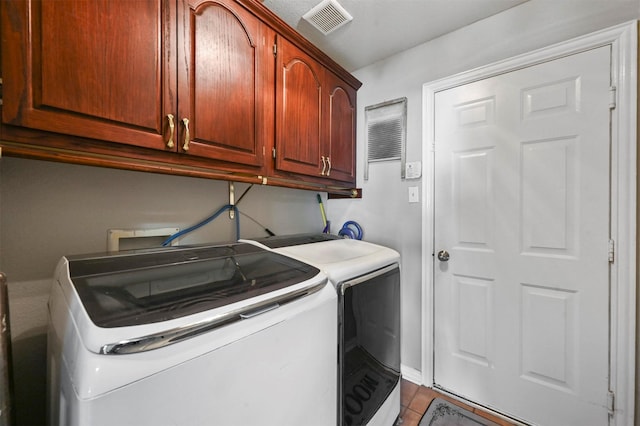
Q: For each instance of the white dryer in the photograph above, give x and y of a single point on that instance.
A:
(208, 335)
(367, 281)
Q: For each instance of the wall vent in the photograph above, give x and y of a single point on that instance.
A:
(327, 16)
(386, 133)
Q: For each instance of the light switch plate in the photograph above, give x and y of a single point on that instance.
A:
(414, 196)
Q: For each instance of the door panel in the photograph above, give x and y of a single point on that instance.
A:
(522, 206)
(299, 115)
(224, 87)
(341, 132)
(93, 91)
(67, 77)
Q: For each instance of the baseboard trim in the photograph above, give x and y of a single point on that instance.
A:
(411, 374)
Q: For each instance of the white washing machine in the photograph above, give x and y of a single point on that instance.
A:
(210, 335)
(367, 281)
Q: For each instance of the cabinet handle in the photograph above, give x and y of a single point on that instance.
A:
(329, 164)
(324, 165)
(185, 147)
(172, 129)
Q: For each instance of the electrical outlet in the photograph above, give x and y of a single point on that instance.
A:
(414, 196)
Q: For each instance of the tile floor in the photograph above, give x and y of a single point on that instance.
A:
(415, 399)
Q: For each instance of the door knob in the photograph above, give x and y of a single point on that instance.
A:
(443, 255)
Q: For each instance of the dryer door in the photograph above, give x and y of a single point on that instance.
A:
(369, 339)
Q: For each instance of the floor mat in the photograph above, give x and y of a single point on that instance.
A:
(443, 413)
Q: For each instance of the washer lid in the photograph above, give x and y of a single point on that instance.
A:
(295, 240)
(339, 258)
(146, 287)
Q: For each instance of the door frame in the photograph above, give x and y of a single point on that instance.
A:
(623, 40)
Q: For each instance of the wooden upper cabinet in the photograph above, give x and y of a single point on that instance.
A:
(298, 111)
(96, 69)
(210, 88)
(225, 82)
(315, 118)
(341, 132)
(194, 77)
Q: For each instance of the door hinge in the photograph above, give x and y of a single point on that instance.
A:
(612, 97)
(273, 153)
(611, 402)
(275, 49)
(612, 251)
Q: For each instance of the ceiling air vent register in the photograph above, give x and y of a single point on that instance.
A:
(327, 16)
(386, 133)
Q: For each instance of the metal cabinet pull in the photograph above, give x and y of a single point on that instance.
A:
(172, 128)
(185, 147)
(324, 165)
(329, 168)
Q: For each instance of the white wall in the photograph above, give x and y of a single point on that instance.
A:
(53, 209)
(384, 211)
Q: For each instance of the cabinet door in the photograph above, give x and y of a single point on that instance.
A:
(341, 129)
(225, 72)
(298, 111)
(96, 69)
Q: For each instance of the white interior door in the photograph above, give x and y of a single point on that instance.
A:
(521, 205)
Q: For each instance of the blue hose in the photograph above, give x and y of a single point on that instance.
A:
(205, 221)
(351, 229)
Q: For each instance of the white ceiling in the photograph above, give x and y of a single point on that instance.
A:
(381, 28)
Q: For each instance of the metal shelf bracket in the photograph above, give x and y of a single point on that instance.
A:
(232, 200)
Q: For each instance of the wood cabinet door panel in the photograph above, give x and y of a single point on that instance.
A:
(298, 111)
(222, 90)
(86, 68)
(341, 129)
